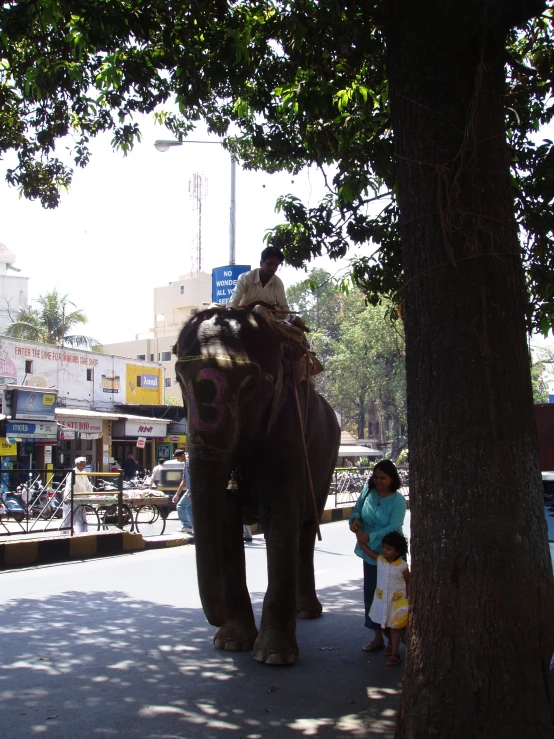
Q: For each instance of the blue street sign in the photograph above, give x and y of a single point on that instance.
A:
(224, 280)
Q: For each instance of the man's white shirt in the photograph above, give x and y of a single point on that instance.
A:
(82, 483)
(249, 289)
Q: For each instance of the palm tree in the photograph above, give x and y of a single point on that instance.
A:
(50, 322)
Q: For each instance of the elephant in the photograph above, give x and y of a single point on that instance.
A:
(242, 418)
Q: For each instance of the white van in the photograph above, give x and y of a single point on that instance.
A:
(171, 475)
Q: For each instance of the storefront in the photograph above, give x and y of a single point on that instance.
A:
(168, 445)
(31, 433)
(140, 437)
(85, 433)
(27, 446)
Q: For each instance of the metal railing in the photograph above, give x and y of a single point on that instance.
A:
(348, 483)
(47, 503)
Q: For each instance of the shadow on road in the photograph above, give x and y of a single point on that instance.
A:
(104, 665)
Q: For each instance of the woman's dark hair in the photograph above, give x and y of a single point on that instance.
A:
(397, 541)
(389, 468)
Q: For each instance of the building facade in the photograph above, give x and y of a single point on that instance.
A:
(174, 304)
(13, 288)
(99, 408)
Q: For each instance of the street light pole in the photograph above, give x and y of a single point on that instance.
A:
(233, 211)
(164, 145)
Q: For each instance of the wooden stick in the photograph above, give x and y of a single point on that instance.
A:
(305, 449)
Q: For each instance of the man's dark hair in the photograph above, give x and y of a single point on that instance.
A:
(272, 251)
(397, 541)
(178, 452)
(160, 460)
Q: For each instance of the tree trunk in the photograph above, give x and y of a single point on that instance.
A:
(481, 599)
(361, 415)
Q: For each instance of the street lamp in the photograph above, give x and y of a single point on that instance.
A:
(164, 145)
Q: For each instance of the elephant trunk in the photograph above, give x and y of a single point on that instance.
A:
(209, 480)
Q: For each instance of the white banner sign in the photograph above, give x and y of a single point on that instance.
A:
(83, 425)
(141, 442)
(144, 428)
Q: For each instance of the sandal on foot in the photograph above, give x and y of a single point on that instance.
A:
(373, 646)
(393, 660)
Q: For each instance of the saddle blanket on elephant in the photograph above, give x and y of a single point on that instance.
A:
(297, 353)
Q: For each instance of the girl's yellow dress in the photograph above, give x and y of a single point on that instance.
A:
(390, 604)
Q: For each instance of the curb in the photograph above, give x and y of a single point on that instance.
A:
(167, 541)
(329, 516)
(61, 548)
(106, 543)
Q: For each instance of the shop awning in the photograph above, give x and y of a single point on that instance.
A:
(69, 413)
(352, 450)
(85, 422)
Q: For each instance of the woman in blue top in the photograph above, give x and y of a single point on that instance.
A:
(379, 510)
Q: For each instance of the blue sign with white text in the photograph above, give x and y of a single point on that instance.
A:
(224, 280)
(27, 430)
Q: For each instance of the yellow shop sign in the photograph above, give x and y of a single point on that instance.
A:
(7, 448)
(176, 439)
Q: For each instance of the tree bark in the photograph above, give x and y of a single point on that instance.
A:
(481, 632)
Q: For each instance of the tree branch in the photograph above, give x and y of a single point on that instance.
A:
(510, 13)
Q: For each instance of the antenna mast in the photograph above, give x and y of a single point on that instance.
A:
(198, 189)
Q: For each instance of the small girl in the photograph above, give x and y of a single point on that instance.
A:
(390, 603)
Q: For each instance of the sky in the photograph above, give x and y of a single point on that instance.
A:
(127, 225)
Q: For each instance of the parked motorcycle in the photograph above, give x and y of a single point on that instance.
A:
(39, 501)
(14, 505)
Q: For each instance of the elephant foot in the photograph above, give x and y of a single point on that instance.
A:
(275, 650)
(235, 637)
(308, 607)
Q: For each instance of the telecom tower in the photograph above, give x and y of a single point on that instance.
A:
(198, 189)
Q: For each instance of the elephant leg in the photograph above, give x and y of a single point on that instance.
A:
(238, 632)
(276, 642)
(307, 603)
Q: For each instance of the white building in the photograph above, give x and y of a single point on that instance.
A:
(173, 305)
(94, 414)
(13, 288)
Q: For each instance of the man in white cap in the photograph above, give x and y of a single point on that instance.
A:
(82, 485)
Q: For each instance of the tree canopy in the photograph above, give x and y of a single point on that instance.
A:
(51, 320)
(288, 83)
(363, 354)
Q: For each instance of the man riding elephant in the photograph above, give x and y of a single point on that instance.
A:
(262, 285)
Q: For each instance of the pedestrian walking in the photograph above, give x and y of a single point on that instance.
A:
(378, 511)
(130, 467)
(390, 603)
(82, 485)
(184, 501)
(156, 475)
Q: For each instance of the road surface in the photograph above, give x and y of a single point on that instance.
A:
(119, 647)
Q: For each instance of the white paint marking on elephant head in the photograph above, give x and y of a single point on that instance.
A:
(209, 339)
